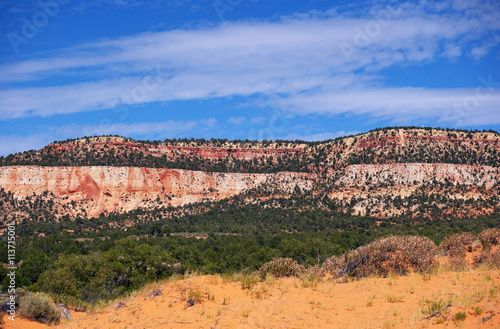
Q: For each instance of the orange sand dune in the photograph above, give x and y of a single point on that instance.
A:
(292, 303)
(20, 323)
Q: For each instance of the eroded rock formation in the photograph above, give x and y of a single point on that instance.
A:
(119, 189)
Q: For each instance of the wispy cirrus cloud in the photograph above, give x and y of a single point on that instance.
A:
(316, 63)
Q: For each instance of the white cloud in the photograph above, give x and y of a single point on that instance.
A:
(317, 63)
(452, 51)
(486, 47)
(460, 106)
(257, 120)
(236, 121)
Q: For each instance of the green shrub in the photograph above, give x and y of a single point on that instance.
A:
(281, 267)
(39, 307)
(435, 307)
(396, 254)
(70, 301)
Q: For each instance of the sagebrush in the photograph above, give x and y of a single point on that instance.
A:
(457, 245)
(281, 267)
(396, 254)
(39, 307)
(489, 237)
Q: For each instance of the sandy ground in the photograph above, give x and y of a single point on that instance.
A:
(395, 302)
(21, 324)
(292, 303)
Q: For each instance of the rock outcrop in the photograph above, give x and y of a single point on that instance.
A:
(118, 189)
(420, 173)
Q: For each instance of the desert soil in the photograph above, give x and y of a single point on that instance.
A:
(394, 302)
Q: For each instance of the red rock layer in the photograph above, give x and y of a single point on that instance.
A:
(119, 189)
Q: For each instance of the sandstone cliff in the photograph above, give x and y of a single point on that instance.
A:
(119, 189)
(376, 187)
(420, 173)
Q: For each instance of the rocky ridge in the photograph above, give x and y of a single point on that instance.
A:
(384, 173)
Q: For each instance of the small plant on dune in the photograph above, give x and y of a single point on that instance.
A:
(310, 282)
(248, 281)
(394, 299)
(209, 295)
(460, 316)
(196, 295)
(39, 307)
(315, 305)
(369, 301)
(478, 295)
(433, 308)
(261, 292)
(493, 293)
(477, 310)
(281, 267)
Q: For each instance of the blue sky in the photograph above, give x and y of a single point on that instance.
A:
(241, 69)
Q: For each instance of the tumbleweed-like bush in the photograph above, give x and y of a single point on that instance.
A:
(457, 245)
(489, 237)
(396, 254)
(281, 267)
(489, 258)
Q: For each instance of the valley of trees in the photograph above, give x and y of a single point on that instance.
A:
(101, 258)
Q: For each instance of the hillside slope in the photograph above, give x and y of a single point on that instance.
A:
(383, 173)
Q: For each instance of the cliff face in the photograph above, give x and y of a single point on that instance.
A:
(119, 189)
(459, 190)
(420, 173)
